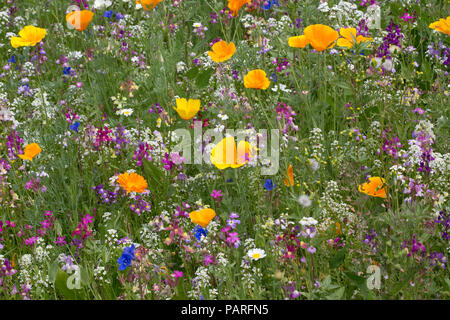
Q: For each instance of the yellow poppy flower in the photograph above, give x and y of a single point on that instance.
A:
(256, 79)
(79, 19)
(28, 36)
(225, 155)
(221, 51)
(132, 182)
(321, 37)
(30, 151)
(236, 5)
(374, 187)
(298, 41)
(202, 217)
(443, 25)
(187, 109)
(347, 38)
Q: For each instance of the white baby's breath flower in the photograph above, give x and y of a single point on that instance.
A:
(308, 221)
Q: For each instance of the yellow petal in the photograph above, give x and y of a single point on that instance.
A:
(223, 155)
(298, 41)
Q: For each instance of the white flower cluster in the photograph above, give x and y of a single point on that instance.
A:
(199, 282)
(99, 273)
(148, 237)
(316, 140)
(249, 275)
(344, 14)
(112, 237)
(308, 221)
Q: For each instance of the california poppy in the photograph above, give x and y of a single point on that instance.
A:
(321, 37)
(236, 5)
(225, 155)
(28, 36)
(348, 35)
(187, 109)
(443, 25)
(289, 180)
(79, 19)
(132, 182)
(374, 187)
(298, 41)
(30, 151)
(202, 217)
(256, 79)
(222, 51)
(148, 4)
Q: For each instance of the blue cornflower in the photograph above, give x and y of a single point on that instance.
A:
(269, 185)
(199, 232)
(119, 16)
(108, 14)
(267, 4)
(229, 180)
(273, 77)
(12, 59)
(74, 126)
(66, 70)
(125, 259)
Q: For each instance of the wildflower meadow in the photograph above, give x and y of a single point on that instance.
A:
(224, 150)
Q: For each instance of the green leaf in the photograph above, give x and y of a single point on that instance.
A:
(338, 258)
(336, 295)
(180, 293)
(61, 286)
(52, 271)
(202, 79)
(191, 74)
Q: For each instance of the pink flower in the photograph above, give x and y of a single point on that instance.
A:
(45, 224)
(87, 219)
(177, 274)
(208, 260)
(216, 194)
(61, 241)
(406, 17)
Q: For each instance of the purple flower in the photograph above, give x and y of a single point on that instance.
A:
(311, 250)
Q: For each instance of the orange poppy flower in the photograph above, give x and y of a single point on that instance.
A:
(148, 4)
(221, 51)
(289, 180)
(443, 25)
(80, 19)
(132, 182)
(321, 37)
(28, 36)
(374, 187)
(30, 151)
(202, 217)
(235, 5)
(225, 155)
(256, 79)
(347, 38)
(298, 41)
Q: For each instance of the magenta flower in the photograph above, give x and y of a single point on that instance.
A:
(177, 274)
(208, 260)
(61, 241)
(45, 224)
(406, 17)
(216, 194)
